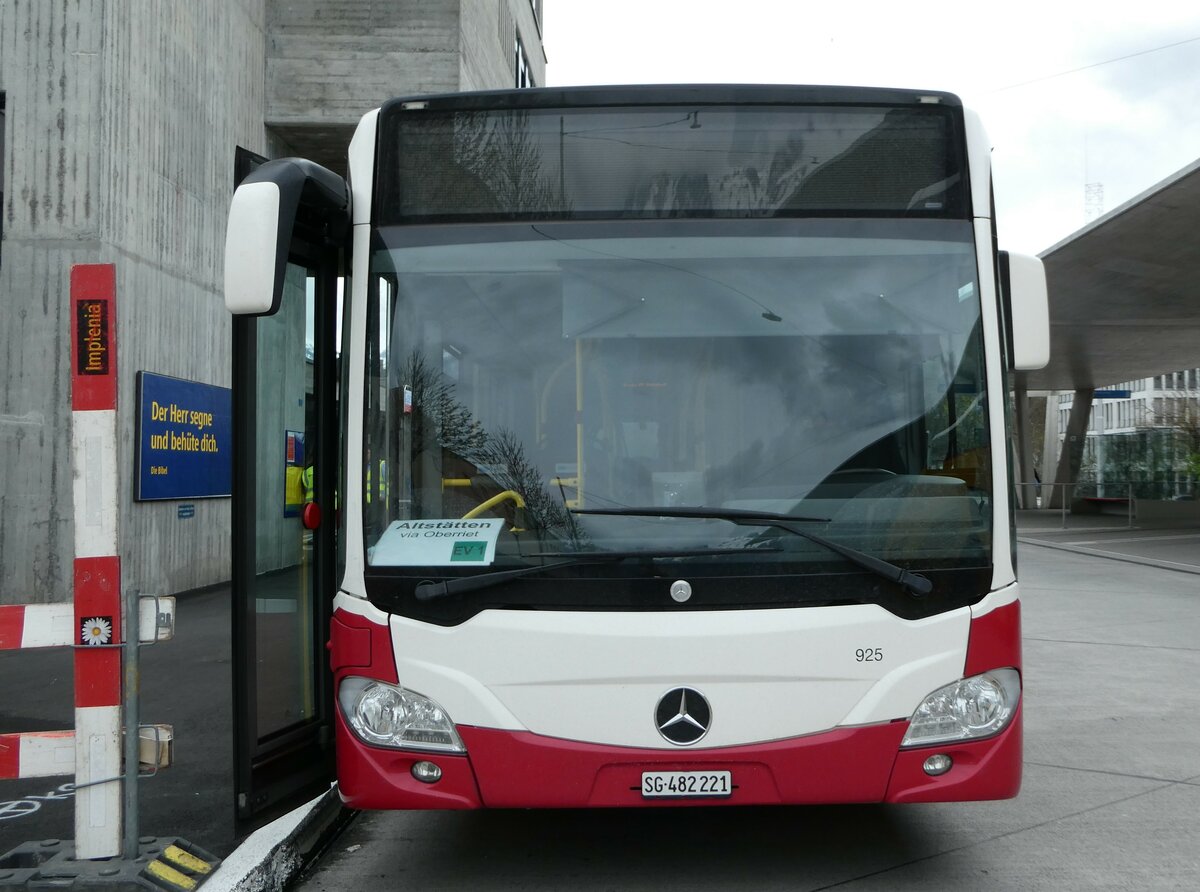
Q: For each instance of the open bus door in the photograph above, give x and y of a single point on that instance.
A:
(282, 286)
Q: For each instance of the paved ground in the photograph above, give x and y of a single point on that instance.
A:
(1112, 782)
(185, 683)
(1110, 798)
(1113, 536)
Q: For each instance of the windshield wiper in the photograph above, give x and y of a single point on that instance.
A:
(428, 591)
(914, 582)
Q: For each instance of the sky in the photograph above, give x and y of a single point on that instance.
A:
(1070, 93)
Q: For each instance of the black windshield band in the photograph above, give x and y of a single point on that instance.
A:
(734, 154)
(428, 590)
(918, 585)
(609, 588)
(414, 236)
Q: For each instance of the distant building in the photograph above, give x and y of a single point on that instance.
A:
(117, 138)
(1144, 439)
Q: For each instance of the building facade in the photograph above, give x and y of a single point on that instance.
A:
(1143, 437)
(117, 139)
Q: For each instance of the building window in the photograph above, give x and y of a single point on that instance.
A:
(524, 75)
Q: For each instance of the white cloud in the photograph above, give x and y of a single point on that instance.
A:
(1127, 124)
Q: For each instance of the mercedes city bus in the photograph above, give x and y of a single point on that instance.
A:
(665, 450)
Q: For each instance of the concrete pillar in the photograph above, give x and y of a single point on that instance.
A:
(1026, 490)
(1050, 445)
(1071, 458)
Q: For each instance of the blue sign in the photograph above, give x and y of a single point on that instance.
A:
(186, 512)
(1111, 395)
(185, 439)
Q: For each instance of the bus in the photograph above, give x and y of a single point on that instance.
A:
(663, 452)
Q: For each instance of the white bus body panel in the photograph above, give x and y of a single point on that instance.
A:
(597, 677)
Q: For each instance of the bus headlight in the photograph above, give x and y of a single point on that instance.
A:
(979, 706)
(389, 715)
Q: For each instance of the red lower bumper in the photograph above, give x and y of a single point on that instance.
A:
(513, 769)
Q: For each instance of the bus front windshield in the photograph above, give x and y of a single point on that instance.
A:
(521, 375)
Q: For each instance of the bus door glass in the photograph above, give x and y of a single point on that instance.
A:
(284, 542)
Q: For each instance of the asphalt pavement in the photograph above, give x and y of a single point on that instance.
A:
(185, 683)
(1165, 545)
(1110, 797)
(1112, 773)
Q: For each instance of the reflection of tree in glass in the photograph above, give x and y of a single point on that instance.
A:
(440, 420)
(762, 192)
(747, 189)
(671, 194)
(504, 456)
(489, 164)
(437, 416)
(502, 164)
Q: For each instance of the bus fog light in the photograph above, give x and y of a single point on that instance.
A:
(935, 765)
(426, 772)
(974, 707)
(389, 715)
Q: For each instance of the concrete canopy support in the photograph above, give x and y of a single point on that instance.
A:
(1071, 457)
(1050, 443)
(1026, 490)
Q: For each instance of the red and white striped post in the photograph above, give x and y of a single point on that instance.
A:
(97, 618)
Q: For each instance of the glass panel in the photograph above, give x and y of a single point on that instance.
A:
(654, 162)
(835, 372)
(284, 583)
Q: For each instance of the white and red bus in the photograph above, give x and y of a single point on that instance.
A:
(666, 446)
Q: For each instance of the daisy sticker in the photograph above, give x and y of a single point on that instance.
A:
(97, 630)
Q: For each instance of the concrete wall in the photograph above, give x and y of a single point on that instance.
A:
(178, 109)
(120, 132)
(331, 61)
(490, 28)
(51, 72)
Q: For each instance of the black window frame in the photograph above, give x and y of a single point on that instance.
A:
(523, 71)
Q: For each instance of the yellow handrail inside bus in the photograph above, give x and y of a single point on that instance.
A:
(507, 495)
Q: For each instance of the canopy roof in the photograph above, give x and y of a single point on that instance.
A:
(1124, 300)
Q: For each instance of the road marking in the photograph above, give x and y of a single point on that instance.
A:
(23, 808)
(1133, 539)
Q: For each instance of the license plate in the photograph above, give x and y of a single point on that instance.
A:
(673, 784)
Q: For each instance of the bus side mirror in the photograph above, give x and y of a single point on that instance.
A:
(1023, 284)
(281, 199)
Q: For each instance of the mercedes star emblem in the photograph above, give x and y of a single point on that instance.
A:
(681, 590)
(683, 716)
